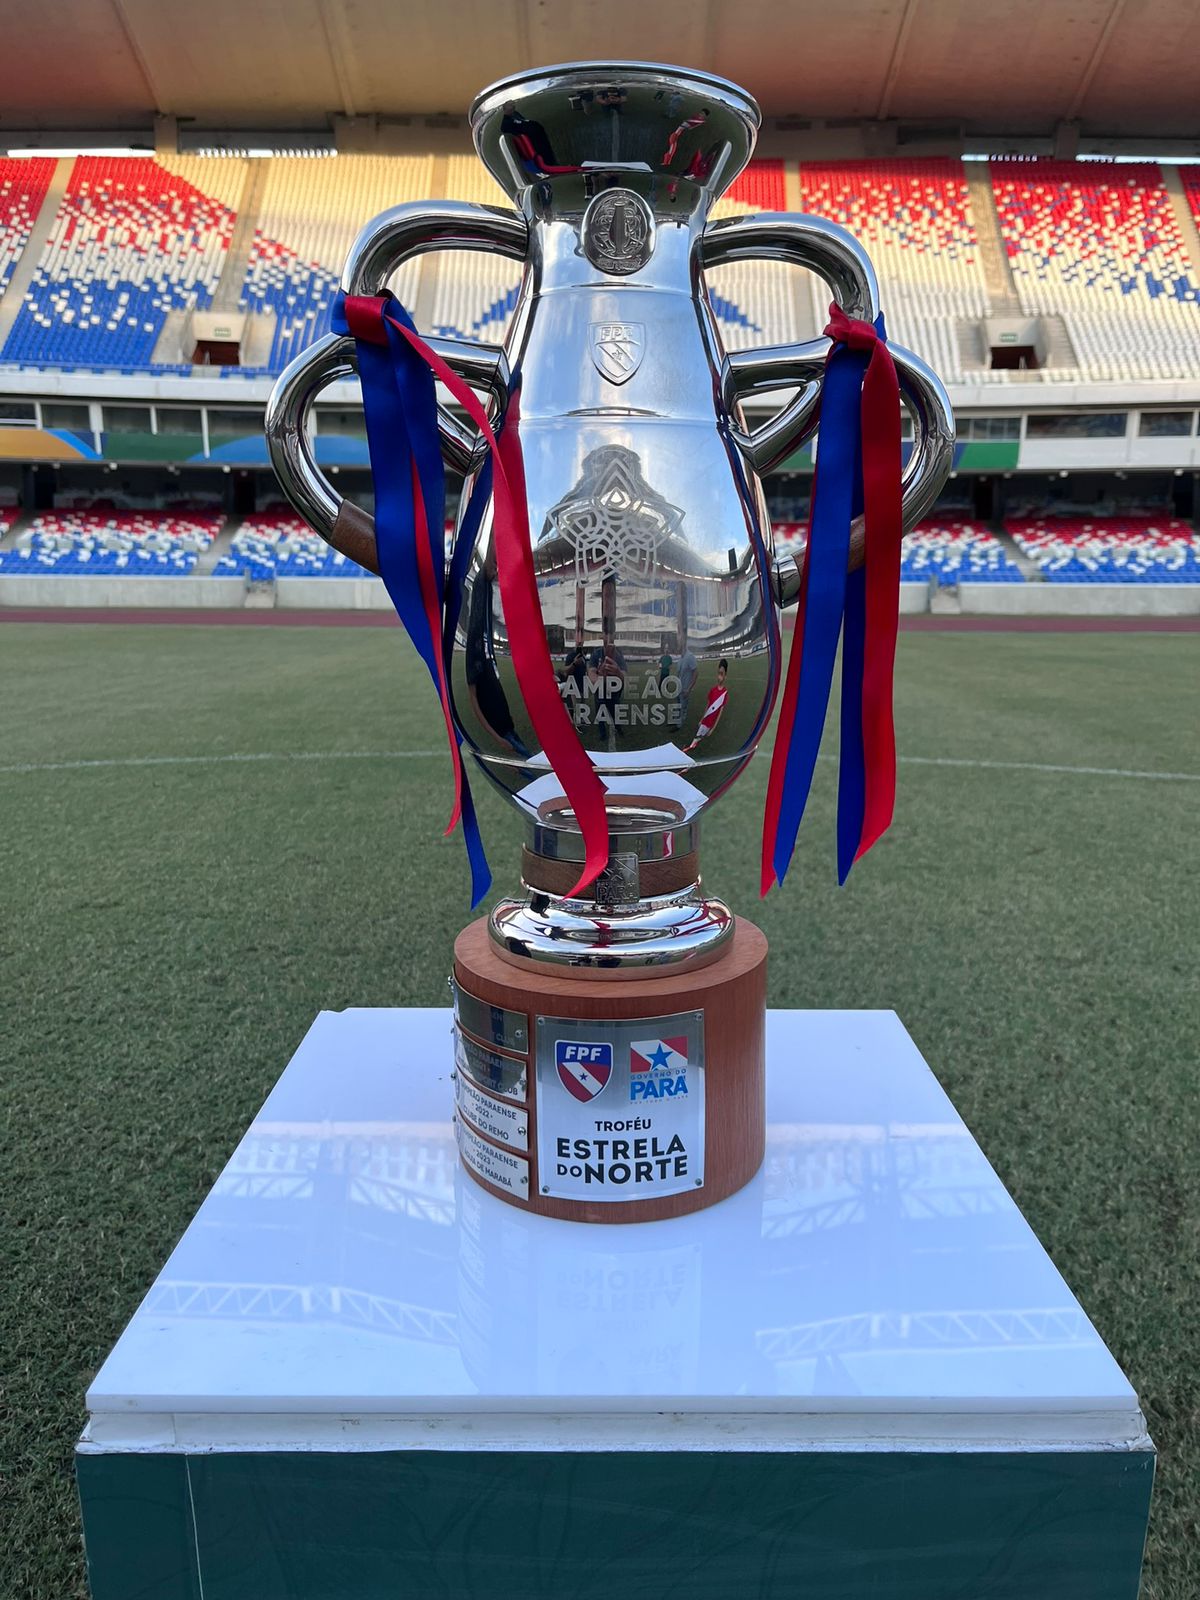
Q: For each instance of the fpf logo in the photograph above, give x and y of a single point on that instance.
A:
(583, 1069)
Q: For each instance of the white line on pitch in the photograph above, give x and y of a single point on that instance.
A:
(1046, 766)
(407, 755)
(205, 761)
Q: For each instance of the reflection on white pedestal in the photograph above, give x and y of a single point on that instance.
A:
(344, 1263)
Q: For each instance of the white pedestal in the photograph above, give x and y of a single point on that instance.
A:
(348, 1310)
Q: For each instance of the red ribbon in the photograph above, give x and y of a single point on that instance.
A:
(787, 718)
(884, 529)
(365, 315)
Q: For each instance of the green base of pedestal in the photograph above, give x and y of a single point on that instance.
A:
(456, 1525)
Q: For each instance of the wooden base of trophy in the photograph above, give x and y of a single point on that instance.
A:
(655, 1082)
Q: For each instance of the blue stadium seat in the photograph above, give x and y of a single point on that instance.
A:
(132, 242)
(111, 544)
(275, 544)
(1132, 548)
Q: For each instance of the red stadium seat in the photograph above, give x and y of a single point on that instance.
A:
(23, 185)
(1109, 548)
(1097, 243)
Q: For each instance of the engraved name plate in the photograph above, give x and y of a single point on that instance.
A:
(488, 1069)
(505, 1123)
(508, 1029)
(500, 1167)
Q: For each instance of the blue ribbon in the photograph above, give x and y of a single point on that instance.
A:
(460, 560)
(400, 407)
(837, 486)
(852, 766)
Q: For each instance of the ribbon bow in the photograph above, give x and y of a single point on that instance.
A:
(858, 469)
(398, 371)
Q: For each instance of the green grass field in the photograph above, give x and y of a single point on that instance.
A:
(171, 927)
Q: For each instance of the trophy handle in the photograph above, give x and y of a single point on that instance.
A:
(835, 255)
(382, 246)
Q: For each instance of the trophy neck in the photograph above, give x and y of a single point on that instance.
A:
(657, 934)
(647, 912)
(660, 131)
(640, 828)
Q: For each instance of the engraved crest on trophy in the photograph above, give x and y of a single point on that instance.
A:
(617, 349)
(612, 519)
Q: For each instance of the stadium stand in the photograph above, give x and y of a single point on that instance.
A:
(133, 240)
(1110, 549)
(759, 302)
(788, 535)
(761, 187)
(950, 549)
(277, 544)
(474, 292)
(111, 543)
(1097, 243)
(946, 548)
(312, 207)
(23, 185)
(914, 220)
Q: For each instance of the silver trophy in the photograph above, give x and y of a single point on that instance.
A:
(653, 549)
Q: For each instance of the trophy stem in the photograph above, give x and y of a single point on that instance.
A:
(647, 912)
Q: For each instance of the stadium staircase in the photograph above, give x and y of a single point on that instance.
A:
(1029, 569)
(10, 532)
(993, 258)
(428, 265)
(1184, 220)
(228, 293)
(208, 558)
(1060, 351)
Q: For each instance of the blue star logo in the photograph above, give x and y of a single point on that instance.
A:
(658, 1061)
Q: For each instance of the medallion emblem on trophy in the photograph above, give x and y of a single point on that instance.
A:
(605, 637)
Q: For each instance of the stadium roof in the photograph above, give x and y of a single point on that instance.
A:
(1116, 68)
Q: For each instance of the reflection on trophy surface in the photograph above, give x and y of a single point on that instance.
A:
(657, 585)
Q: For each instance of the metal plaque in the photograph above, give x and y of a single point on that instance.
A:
(506, 1124)
(620, 1106)
(489, 1069)
(508, 1029)
(617, 232)
(500, 1167)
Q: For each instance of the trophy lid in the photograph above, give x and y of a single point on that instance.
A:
(625, 119)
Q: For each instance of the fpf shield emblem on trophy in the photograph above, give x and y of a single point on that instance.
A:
(605, 637)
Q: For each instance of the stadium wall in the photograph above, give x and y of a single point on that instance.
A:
(229, 594)
(1085, 600)
(367, 594)
(72, 593)
(319, 594)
